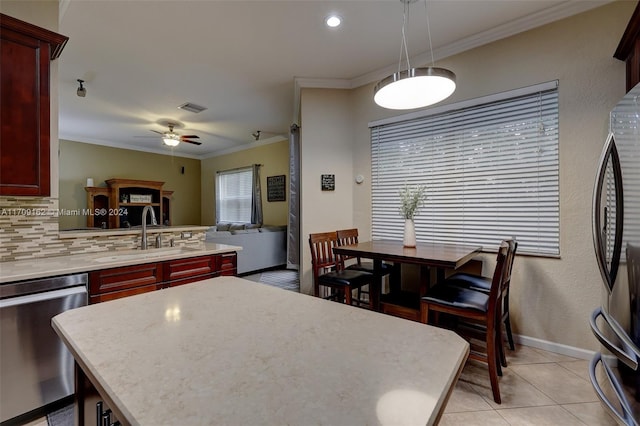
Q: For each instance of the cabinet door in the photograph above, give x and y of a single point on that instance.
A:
(227, 264)
(183, 271)
(25, 52)
(108, 284)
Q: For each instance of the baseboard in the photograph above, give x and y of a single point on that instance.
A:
(561, 349)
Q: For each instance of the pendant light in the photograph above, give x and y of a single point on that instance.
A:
(414, 87)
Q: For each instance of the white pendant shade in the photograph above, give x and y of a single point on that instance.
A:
(415, 88)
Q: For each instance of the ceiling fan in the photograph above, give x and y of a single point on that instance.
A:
(171, 138)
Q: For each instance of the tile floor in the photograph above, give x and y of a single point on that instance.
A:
(537, 388)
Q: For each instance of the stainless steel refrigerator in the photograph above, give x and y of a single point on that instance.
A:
(615, 373)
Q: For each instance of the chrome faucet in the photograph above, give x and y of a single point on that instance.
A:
(143, 244)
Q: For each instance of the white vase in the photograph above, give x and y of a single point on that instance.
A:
(409, 233)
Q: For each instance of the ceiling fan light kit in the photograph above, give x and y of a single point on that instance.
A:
(414, 87)
(169, 140)
(172, 139)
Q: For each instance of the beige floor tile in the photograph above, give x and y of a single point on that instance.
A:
(579, 367)
(474, 418)
(514, 390)
(558, 383)
(529, 355)
(540, 416)
(464, 398)
(591, 414)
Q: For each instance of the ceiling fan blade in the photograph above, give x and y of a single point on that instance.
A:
(191, 136)
(193, 142)
(155, 131)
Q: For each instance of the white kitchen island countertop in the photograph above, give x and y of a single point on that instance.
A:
(234, 352)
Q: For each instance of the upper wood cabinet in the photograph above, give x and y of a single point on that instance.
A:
(629, 49)
(25, 53)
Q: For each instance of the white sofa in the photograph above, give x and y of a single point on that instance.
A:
(262, 248)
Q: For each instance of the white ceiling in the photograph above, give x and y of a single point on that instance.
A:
(244, 59)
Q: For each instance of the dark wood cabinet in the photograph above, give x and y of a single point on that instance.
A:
(629, 49)
(25, 54)
(114, 283)
(98, 206)
(228, 263)
(184, 271)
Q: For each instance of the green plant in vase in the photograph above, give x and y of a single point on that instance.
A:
(411, 200)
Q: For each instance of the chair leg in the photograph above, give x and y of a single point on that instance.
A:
(424, 313)
(348, 297)
(492, 361)
(507, 326)
(500, 343)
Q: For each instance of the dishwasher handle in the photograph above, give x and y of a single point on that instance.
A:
(21, 288)
(39, 297)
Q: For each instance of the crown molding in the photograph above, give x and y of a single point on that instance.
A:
(132, 147)
(561, 11)
(273, 139)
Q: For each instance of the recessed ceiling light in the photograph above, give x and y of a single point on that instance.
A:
(333, 21)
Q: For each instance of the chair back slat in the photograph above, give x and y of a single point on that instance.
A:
(346, 237)
(322, 245)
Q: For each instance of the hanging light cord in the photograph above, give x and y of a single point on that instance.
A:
(433, 62)
(403, 44)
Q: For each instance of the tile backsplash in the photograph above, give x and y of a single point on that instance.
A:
(29, 230)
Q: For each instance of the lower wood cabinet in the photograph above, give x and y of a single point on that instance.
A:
(109, 284)
(184, 271)
(114, 283)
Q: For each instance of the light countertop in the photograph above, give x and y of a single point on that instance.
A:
(28, 269)
(230, 351)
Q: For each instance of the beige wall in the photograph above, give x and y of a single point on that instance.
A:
(274, 158)
(79, 161)
(327, 147)
(551, 298)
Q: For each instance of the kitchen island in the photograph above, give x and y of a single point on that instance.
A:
(230, 351)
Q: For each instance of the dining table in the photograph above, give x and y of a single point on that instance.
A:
(438, 257)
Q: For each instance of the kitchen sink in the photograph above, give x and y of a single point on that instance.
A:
(143, 254)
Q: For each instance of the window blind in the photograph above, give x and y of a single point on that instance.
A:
(233, 195)
(490, 170)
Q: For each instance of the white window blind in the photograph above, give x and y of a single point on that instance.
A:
(490, 169)
(233, 195)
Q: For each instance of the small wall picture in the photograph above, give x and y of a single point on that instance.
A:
(276, 186)
(328, 182)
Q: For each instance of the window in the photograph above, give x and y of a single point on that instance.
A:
(234, 195)
(490, 167)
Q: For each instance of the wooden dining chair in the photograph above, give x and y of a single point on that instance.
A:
(350, 236)
(478, 307)
(480, 283)
(329, 271)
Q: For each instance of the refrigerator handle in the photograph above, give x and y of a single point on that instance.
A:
(609, 153)
(629, 353)
(623, 416)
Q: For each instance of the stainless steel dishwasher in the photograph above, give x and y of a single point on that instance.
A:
(35, 366)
